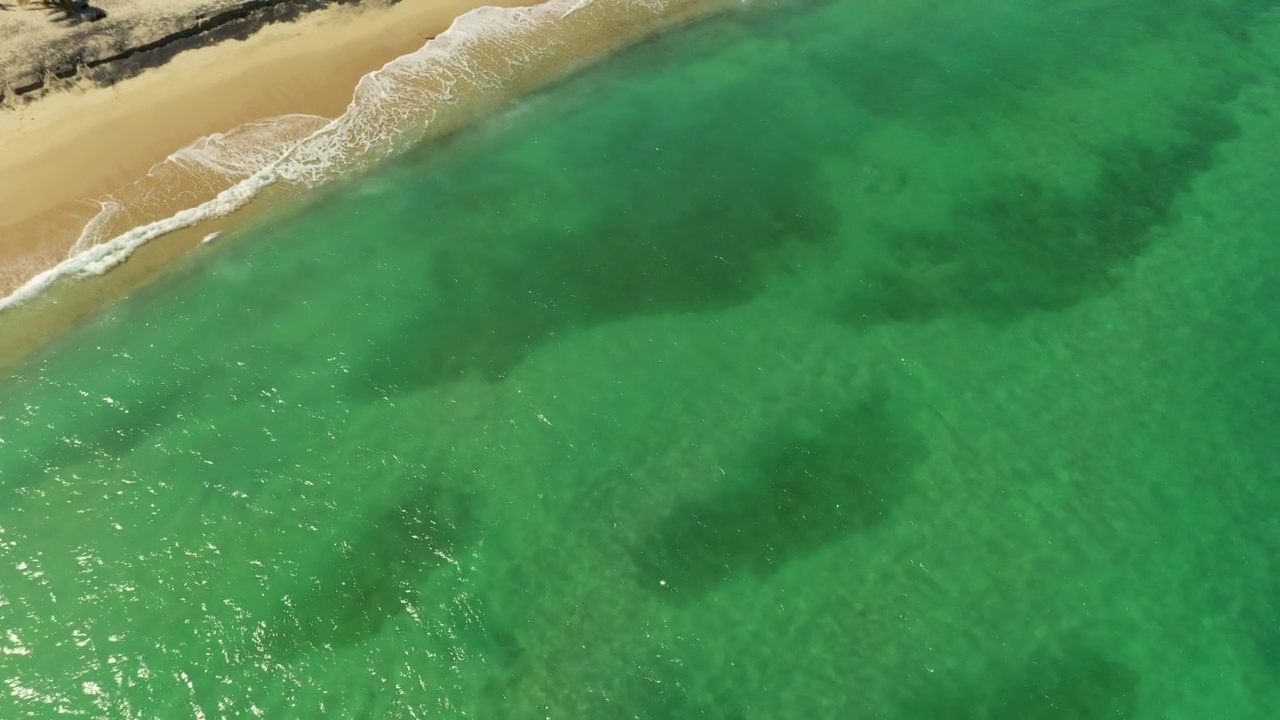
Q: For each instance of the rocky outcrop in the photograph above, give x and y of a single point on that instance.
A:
(43, 51)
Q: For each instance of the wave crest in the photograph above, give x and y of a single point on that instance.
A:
(485, 58)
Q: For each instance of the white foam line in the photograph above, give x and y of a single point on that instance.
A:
(575, 8)
(232, 156)
(382, 103)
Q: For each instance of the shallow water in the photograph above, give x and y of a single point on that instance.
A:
(838, 359)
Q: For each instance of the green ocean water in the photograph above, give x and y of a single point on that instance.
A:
(841, 359)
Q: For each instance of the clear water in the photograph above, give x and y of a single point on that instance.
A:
(833, 360)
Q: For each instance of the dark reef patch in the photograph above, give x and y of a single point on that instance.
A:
(373, 578)
(104, 431)
(653, 212)
(656, 248)
(798, 490)
(961, 65)
(1022, 246)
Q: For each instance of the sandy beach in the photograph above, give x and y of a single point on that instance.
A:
(86, 163)
(61, 152)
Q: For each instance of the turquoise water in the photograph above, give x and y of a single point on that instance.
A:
(827, 360)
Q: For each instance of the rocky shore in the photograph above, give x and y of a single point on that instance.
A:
(42, 49)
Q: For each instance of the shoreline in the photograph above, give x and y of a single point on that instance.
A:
(416, 72)
(74, 146)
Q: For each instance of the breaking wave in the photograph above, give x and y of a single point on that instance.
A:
(485, 58)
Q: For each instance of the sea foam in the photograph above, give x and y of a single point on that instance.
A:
(485, 58)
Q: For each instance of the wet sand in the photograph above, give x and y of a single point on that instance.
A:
(117, 143)
(59, 153)
(64, 150)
